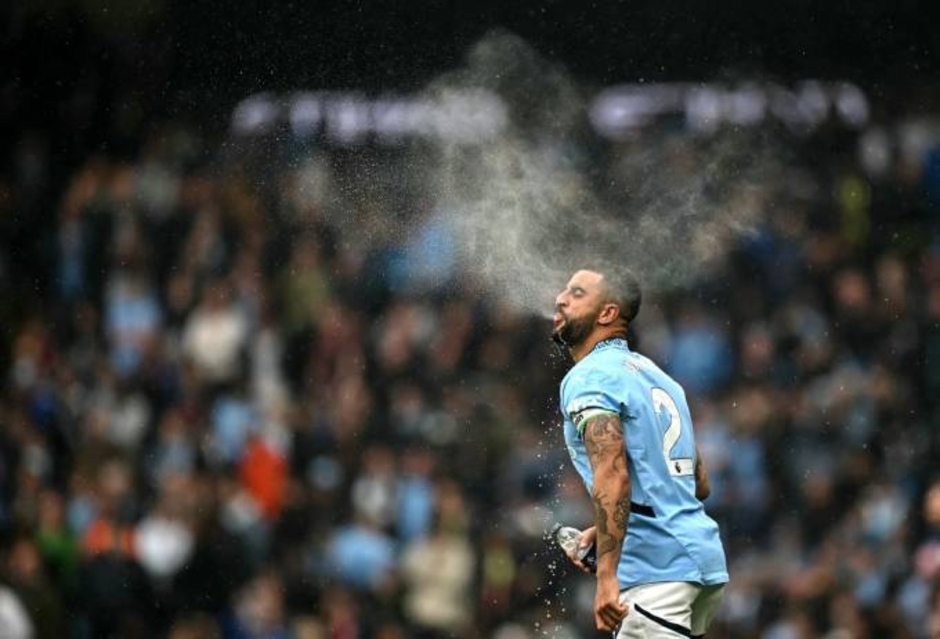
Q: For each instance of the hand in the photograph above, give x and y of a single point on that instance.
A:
(608, 611)
(587, 538)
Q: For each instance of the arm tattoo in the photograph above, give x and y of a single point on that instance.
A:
(603, 436)
(604, 440)
(605, 541)
(622, 512)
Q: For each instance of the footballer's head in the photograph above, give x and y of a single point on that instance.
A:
(600, 301)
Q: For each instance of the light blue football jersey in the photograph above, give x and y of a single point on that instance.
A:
(669, 535)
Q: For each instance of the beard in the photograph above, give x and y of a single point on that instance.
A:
(575, 330)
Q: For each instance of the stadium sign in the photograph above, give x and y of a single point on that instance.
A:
(474, 115)
(350, 118)
(620, 111)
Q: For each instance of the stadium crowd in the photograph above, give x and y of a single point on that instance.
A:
(234, 405)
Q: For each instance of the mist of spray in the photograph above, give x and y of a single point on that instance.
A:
(530, 206)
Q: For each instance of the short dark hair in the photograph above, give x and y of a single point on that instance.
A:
(622, 288)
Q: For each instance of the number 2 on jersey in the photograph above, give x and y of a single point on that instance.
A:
(678, 466)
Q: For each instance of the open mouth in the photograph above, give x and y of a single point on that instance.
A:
(558, 320)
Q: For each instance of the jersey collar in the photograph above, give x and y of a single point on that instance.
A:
(610, 342)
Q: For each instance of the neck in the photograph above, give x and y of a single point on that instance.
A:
(580, 351)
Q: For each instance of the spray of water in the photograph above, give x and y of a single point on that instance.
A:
(530, 206)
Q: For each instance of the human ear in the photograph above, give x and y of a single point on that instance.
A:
(609, 314)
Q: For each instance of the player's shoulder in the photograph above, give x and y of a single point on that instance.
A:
(655, 375)
(594, 373)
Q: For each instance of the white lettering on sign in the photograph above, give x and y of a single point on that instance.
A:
(468, 115)
(475, 115)
(620, 111)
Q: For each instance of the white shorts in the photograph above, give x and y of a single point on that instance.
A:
(668, 610)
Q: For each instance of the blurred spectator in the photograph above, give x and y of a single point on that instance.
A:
(700, 356)
(42, 601)
(264, 476)
(415, 495)
(304, 288)
(438, 571)
(361, 555)
(14, 618)
(132, 321)
(258, 611)
(215, 335)
(373, 491)
(163, 540)
(57, 544)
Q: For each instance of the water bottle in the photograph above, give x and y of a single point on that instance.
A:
(569, 538)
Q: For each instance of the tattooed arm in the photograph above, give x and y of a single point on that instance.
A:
(604, 440)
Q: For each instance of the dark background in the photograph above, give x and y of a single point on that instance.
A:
(192, 57)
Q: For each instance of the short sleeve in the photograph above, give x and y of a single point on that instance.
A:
(591, 393)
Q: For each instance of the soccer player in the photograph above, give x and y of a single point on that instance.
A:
(660, 563)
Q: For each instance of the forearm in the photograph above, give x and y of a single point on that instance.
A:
(605, 442)
(611, 497)
(606, 449)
